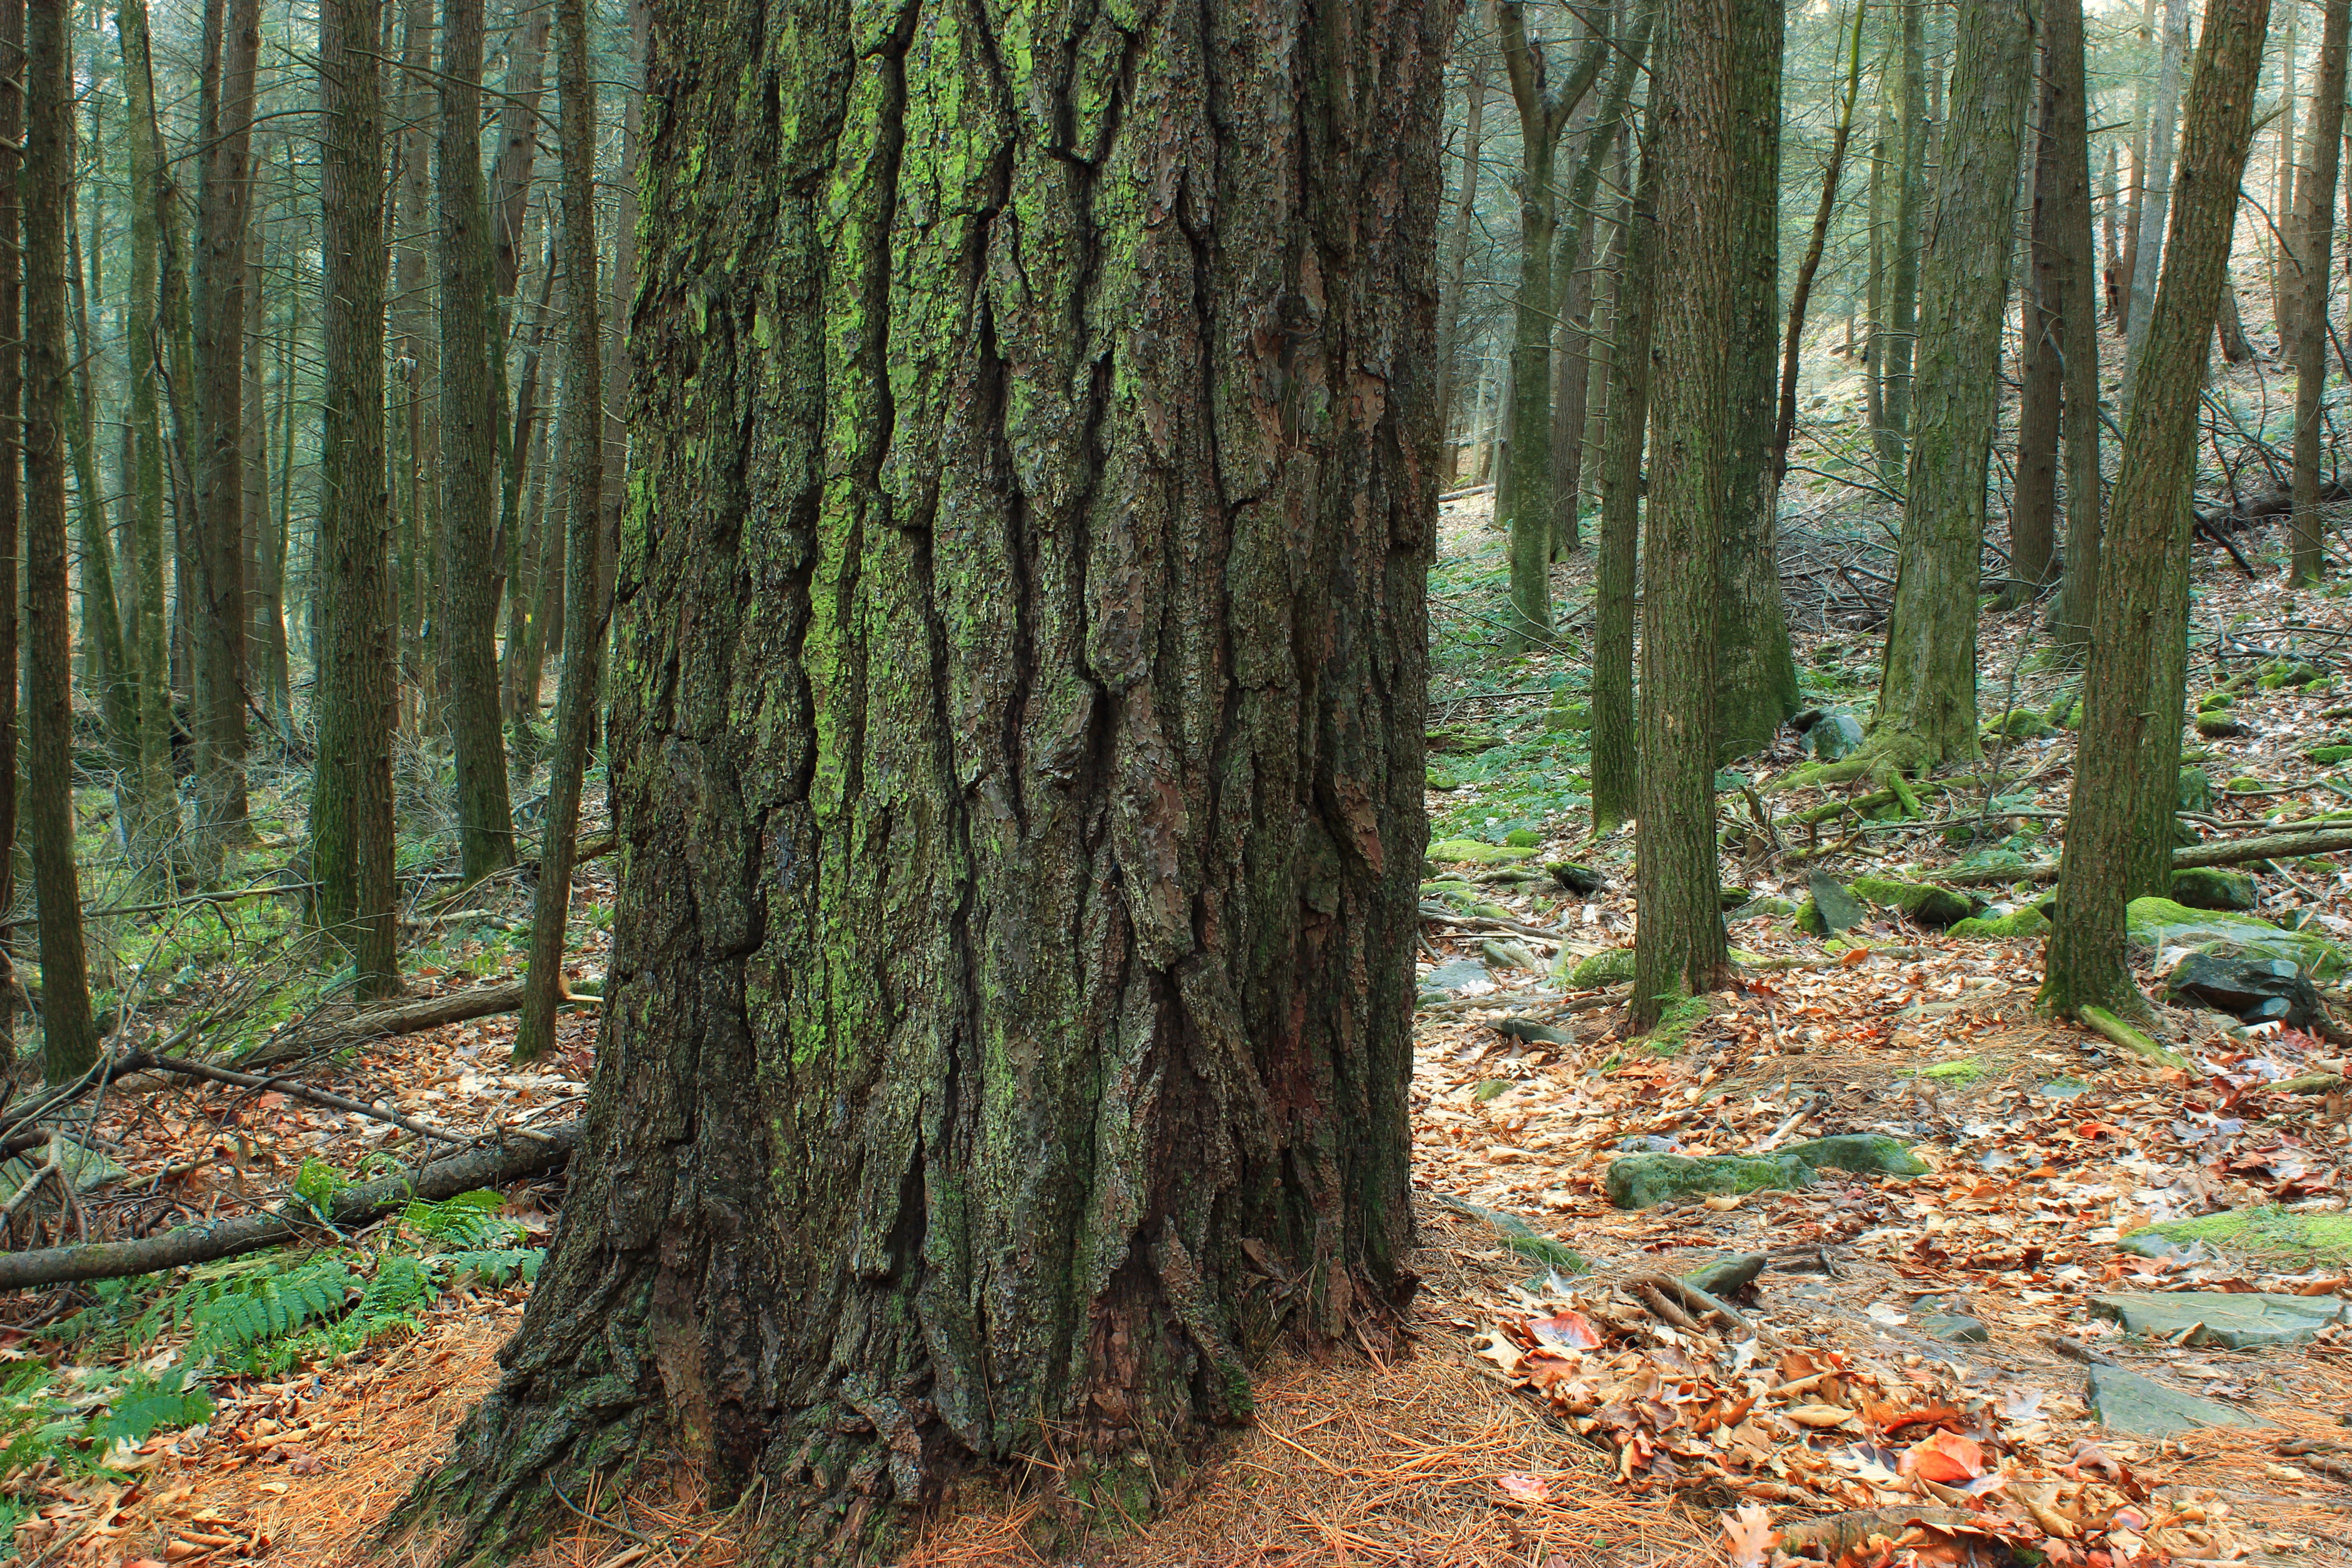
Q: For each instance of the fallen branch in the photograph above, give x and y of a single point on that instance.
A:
(223, 1239)
(2100, 1021)
(379, 1023)
(1486, 922)
(284, 1084)
(2227, 852)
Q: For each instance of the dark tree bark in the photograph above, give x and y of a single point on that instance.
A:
(2034, 496)
(510, 192)
(157, 828)
(224, 199)
(350, 803)
(1017, 755)
(1903, 248)
(2156, 184)
(2119, 818)
(69, 1042)
(1678, 949)
(1801, 294)
(12, 381)
(1465, 218)
(1926, 698)
(470, 340)
(109, 661)
(1755, 674)
(2314, 234)
(2073, 278)
(1616, 768)
(416, 354)
(583, 468)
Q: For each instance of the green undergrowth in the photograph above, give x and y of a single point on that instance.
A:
(2270, 1235)
(141, 1360)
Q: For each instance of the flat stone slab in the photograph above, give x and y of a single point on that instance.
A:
(2141, 1407)
(1955, 1328)
(1455, 976)
(1645, 1181)
(2233, 1322)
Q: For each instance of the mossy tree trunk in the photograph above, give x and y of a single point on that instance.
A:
(1928, 695)
(2074, 276)
(1679, 948)
(2315, 233)
(69, 1042)
(1616, 755)
(350, 800)
(1904, 246)
(2119, 818)
(1756, 675)
(1017, 753)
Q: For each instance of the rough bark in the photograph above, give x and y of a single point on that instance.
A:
(509, 191)
(2034, 494)
(469, 416)
(223, 200)
(1017, 754)
(1926, 711)
(109, 662)
(2156, 183)
(2281, 242)
(12, 381)
(351, 809)
(1465, 218)
(1903, 260)
(1755, 674)
(156, 827)
(2119, 818)
(417, 358)
(2314, 234)
(577, 688)
(2073, 276)
(1616, 767)
(68, 1039)
(1679, 950)
(1801, 293)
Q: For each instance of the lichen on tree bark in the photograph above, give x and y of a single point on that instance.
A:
(1017, 749)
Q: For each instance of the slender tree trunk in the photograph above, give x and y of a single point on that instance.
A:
(261, 694)
(1927, 697)
(418, 357)
(1208, 1025)
(1616, 780)
(1702, 239)
(1801, 292)
(13, 541)
(1570, 366)
(269, 582)
(1603, 342)
(1910, 219)
(543, 634)
(2313, 261)
(1874, 369)
(224, 201)
(2119, 819)
(1755, 676)
(2033, 495)
(518, 124)
(2139, 172)
(1481, 68)
(68, 1039)
(2110, 267)
(2076, 280)
(2232, 328)
(615, 489)
(101, 624)
(583, 633)
(156, 836)
(351, 800)
(512, 544)
(2163, 115)
(2281, 245)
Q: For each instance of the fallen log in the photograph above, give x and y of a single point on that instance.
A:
(307, 1036)
(353, 1207)
(2225, 852)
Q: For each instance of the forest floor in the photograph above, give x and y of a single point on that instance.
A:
(2045, 1145)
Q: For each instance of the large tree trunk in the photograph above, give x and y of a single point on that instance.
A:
(2074, 277)
(223, 198)
(1927, 697)
(1017, 753)
(2119, 818)
(577, 690)
(156, 834)
(351, 802)
(1756, 675)
(417, 356)
(1702, 238)
(1616, 770)
(2314, 259)
(69, 1042)
(471, 415)
(12, 380)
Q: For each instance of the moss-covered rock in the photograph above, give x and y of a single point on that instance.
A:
(2215, 701)
(2213, 888)
(1758, 909)
(1576, 879)
(1595, 970)
(2195, 792)
(1923, 901)
(1830, 908)
(1645, 1181)
(2218, 726)
(1470, 852)
(1866, 1153)
(2020, 724)
(2013, 926)
(2268, 1235)
(2162, 924)
(1522, 838)
(2328, 756)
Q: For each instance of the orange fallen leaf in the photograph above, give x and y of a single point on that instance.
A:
(1945, 1457)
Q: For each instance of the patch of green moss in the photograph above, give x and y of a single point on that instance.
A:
(1595, 970)
(1968, 1070)
(1458, 851)
(2027, 922)
(2270, 1234)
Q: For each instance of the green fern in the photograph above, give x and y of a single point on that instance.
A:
(494, 1265)
(469, 1220)
(231, 1314)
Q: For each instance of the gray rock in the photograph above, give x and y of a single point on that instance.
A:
(1455, 976)
(2233, 1322)
(1576, 879)
(1509, 955)
(2253, 990)
(2213, 888)
(1832, 735)
(1648, 1144)
(2195, 792)
(1954, 1328)
(1533, 1033)
(1645, 1181)
(1869, 1153)
(1831, 908)
(2161, 924)
(2147, 1244)
(2140, 1407)
(1725, 1276)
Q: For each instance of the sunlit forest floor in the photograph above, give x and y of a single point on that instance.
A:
(2046, 1146)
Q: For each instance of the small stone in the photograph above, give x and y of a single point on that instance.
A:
(1867, 1154)
(2141, 1407)
(2018, 923)
(1576, 879)
(1923, 901)
(1758, 909)
(2212, 888)
(1727, 1276)
(1645, 1181)
(1509, 955)
(2147, 1244)
(1648, 1144)
(2251, 990)
(2220, 1318)
(1456, 976)
(1533, 1033)
(2218, 726)
(1832, 736)
(1832, 908)
(1522, 838)
(1954, 1328)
